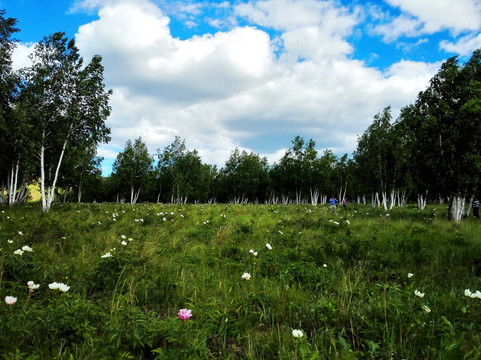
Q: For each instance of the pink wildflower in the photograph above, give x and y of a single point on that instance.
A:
(184, 314)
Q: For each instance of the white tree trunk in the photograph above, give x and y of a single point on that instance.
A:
(12, 188)
(314, 196)
(392, 199)
(422, 201)
(458, 208)
(134, 196)
(384, 200)
(470, 205)
(47, 198)
(42, 178)
(79, 194)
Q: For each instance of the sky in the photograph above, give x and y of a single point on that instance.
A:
(253, 74)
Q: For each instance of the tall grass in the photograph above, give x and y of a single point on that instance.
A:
(340, 278)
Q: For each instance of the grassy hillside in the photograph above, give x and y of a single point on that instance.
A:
(348, 281)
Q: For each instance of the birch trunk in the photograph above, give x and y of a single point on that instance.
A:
(422, 201)
(12, 188)
(47, 198)
(470, 205)
(79, 194)
(392, 199)
(458, 208)
(47, 203)
(384, 200)
(314, 196)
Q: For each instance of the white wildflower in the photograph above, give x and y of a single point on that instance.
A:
(418, 293)
(297, 333)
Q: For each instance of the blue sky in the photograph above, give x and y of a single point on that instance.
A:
(254, 74)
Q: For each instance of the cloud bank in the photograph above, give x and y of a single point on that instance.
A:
(270, 70)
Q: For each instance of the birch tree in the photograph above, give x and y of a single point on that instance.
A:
(182, 176)
(131, 169)
(14, 146)
(445, 132)
(245, 177)
(66, 102)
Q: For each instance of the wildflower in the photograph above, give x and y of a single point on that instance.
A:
(59, 286)
(106, 255)
(18, 252)
(325, 265)
(427, 309)
(20, 233)
(124, 242)
(467, 292)
(252, 252)
(246, 276)
(10, 241)
(269, 246)
(418, 293)
(297, 333)
(335, 222)
(10, 300)
(184, 314)
(123, 236)
(280, 232)
(130, 239)
(410, 275)
(164, 219)
(32, 286)
(27, 248)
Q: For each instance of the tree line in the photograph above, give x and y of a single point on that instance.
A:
(53, 113)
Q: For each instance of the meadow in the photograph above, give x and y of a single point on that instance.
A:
(107, 281)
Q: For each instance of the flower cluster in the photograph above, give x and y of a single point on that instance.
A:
(472, 295)
(252, 252)
(246, 276)
(23, 249)
(59, 286)
(32, 286)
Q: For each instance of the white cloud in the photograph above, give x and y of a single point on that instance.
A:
(464, 46)
(425, 17)
(401, 26)
(20, 55)
(224, 90)
(458, 16)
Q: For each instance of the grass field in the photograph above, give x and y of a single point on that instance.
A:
(359, 284)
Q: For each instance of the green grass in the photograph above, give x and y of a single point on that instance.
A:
(340, 278)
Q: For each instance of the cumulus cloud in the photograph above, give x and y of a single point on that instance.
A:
(20, 55)
(288, 71)
(464, 46)
(419, 18)
(457, 16)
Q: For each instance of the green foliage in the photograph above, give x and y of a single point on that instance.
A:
(340, 278)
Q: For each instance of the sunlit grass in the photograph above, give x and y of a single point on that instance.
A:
(341, 278)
